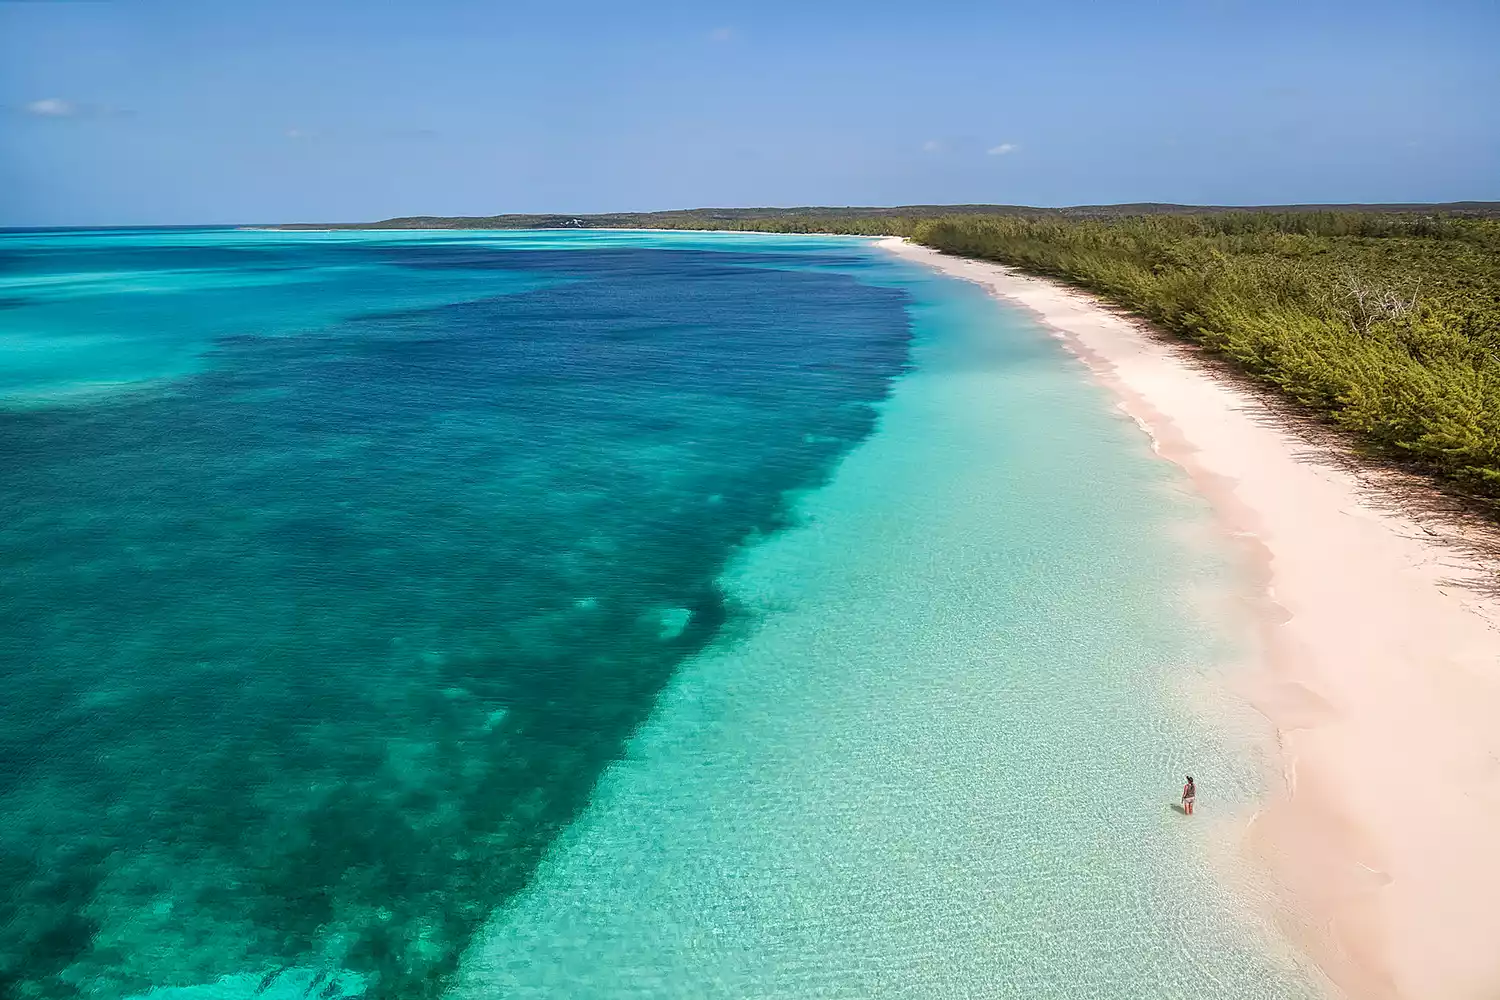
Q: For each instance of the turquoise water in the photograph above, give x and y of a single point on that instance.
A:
(590, 614)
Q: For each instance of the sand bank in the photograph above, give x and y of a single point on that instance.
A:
(1381, 672)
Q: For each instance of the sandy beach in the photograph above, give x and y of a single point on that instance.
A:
(1380, 672)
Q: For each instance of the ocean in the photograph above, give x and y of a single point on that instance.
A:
(595, 614)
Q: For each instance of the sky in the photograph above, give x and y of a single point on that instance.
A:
(156, 112)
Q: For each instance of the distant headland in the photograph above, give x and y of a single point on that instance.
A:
(794, 219)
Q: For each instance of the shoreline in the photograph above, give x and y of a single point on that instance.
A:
(1380, 672)
(825, 801)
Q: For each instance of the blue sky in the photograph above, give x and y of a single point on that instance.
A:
(146, 112)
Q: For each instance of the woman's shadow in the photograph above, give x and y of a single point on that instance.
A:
(1177, 807)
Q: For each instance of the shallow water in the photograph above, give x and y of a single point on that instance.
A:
(940, 758)
(558, 602)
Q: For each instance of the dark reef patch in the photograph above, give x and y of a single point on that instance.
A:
(310, 657)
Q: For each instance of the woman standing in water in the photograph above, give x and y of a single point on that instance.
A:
(1189, 793)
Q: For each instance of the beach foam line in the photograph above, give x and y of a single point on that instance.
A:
(1382, 664)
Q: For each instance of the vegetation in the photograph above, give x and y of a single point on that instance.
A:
(1390, 325)
(1386, 319)
(875, 221)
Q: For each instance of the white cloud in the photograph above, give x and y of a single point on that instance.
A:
(59, 107)
(52, 107)
(298, 133)
(932, 146)
(721, 34)
(1003, 148)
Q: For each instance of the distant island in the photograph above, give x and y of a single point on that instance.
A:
(878, 221)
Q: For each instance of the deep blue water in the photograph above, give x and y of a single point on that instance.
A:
(335, 570)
